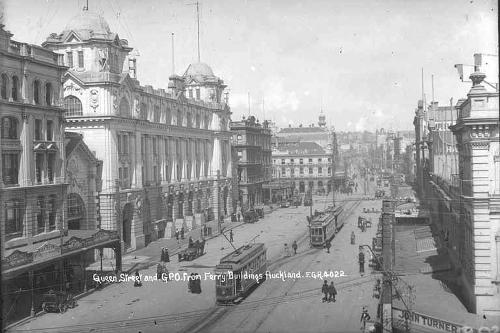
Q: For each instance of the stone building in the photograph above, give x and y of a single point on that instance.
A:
(321, 134)
(83, 175)
(252, 142)
(38, 252)
(478, 254)
(307, 165)
(166, 153)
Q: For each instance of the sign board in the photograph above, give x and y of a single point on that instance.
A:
(17, 258)
(401, 318)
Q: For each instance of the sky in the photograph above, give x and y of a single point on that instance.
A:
(359, 62)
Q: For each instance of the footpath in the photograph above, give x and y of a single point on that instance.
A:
(424, 266)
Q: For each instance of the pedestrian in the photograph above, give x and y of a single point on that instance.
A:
(190, 242)
(353, 238)
(328, 245)
(332, 291)
(294, 247)
(182, 233)
(231, 235)
(361, 259)
(287, 250)
(177, 236)
(159, 271)
(137, 279)
(166, 256)
(364, 318)
(239, 216)
(324, 290)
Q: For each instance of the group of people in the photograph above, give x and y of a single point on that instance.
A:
(294, 248)
(161, 268)
(329, 291)
(179, 233)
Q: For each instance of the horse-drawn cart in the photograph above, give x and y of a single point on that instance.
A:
(191, 253)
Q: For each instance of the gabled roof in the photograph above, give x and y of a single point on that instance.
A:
(75, 140)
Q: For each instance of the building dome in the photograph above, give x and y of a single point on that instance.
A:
(199, 69)
(86, 20)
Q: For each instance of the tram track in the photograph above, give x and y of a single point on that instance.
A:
(203, 320)
(217, 313)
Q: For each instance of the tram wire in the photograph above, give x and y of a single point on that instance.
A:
(197, 314)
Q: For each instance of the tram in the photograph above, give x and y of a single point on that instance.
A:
(239, 272)
(325, 225)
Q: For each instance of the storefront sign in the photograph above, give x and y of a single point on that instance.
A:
(46, 251)
(101, 236)
(74, 243)
(405, 317)
(17, 258)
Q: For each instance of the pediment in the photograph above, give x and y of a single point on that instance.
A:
(72, 37)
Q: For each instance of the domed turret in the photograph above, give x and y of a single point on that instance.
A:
(86, 20)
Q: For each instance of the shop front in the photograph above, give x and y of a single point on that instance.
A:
(56, 264)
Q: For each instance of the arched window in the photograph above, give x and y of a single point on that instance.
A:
(36, 92)
(76, 211)
(3, 89)
(156, 115)
(48, 94)
(9, 128)
(168, 117)
(179, 118)
(144, 111)
(73, 106)
(124, 110)
(15, 87)
(189, 121)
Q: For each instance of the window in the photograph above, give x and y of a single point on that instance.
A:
(10, 168)
(282, 161)
(73, 106)
(38, 129)
(48, 94)
(39, 168)
(329, 171)
(9, 128)
(156, 116)
(190, 93)
(69, 57)
(310, 171)
(197, 93)
(36, 92)
(283, 171)
(15, 88)
(80, 59)
(310, 160)
(13, 219)
(155, 174)
(52, 208)
(40, 215)
(291, 161)
(124, 109)
(51, 158)
(179, 118)
(50, 129)
(155, 146)
(3, 89)
(301, 161)
(126, 180)
(76, 211)
(189, 120)
(319, 160)
(320, 170)
(301, 170)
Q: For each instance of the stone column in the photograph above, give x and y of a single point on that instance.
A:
(26, 165)
(138, 160)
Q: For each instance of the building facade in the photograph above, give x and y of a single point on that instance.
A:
(39, 253)
(166, 153)
(477, 134)
(252, 143)
(307, 165)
